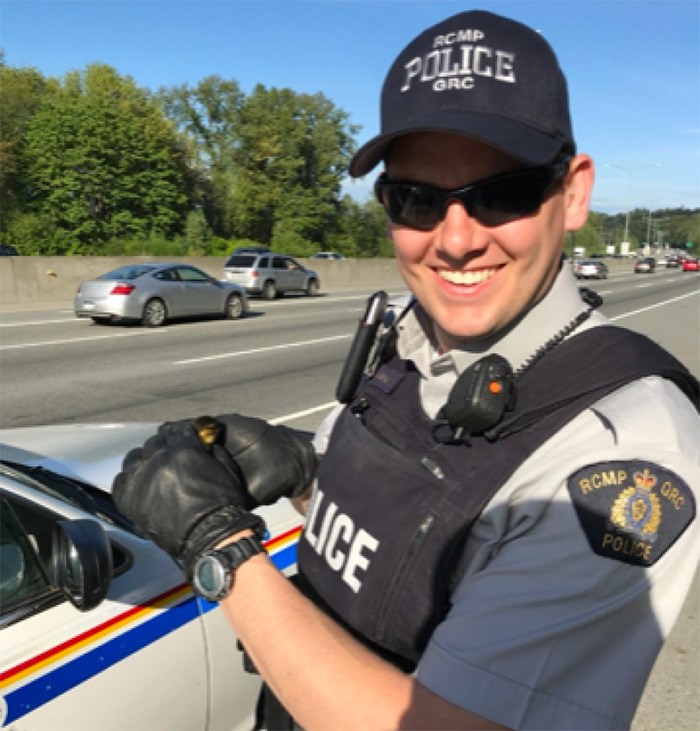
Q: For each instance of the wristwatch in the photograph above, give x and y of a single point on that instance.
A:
(213, 571)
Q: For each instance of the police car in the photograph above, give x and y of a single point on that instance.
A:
(98, 628)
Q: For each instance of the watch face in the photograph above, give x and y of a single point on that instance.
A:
(209, 578)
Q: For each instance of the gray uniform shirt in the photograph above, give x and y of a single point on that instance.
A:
(543, 632)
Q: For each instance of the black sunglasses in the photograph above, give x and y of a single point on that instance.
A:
(492, 201)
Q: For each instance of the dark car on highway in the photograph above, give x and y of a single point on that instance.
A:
(646, 264)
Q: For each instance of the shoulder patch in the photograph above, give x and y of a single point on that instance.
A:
(631, 511)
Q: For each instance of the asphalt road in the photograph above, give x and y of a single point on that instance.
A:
(282, 363)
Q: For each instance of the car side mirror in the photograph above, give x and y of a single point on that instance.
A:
(81, 562)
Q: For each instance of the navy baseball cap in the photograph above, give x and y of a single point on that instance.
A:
(480, 75)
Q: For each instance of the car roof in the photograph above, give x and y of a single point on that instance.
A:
(144, 267)
(253, 255)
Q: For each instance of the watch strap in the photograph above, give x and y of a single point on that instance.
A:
(240, 551)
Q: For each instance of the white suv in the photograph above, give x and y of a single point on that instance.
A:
(270, 275)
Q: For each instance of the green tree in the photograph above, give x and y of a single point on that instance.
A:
(363, 230)
(589, 237)
(207, 115)
(102, 162)
(198, 234)
(291, 155)
(21, 93)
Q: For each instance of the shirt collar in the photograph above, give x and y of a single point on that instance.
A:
(549, 316)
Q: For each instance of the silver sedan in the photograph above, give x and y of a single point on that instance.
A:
(152, 293)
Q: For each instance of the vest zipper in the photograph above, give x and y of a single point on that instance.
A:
(416, 542)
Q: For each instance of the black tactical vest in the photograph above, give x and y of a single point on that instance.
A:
(394, 507)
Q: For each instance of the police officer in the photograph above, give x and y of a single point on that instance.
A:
(503, 525)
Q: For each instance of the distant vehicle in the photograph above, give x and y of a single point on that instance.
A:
(91, 612)
(591, 269)
(672, 262)
(154, 293)
(647, 264)
(7, 250)
(270, 275)
(690, 265)
(328, 255)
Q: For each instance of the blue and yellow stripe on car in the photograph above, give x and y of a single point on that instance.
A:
(39, 679)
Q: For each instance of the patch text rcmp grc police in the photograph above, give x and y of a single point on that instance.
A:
(631, 511)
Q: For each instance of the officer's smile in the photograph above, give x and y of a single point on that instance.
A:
(469, 278)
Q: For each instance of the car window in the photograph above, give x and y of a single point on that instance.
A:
(23, 579)
(279, 263)
(264, 262)
(166, 275)
(190, 274)
(292, 264)
(130, 271)
(242, 261)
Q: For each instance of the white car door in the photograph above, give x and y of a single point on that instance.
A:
(136, 661)
(151, 655)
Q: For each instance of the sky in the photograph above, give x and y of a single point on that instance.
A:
(633, 66)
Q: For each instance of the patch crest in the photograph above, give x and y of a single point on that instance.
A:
(631, 511)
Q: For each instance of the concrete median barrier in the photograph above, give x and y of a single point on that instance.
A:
(36, 280)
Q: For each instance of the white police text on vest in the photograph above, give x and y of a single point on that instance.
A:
(334, 536)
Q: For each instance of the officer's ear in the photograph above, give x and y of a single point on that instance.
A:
(578, 187)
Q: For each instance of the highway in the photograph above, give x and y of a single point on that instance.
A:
(281, 363)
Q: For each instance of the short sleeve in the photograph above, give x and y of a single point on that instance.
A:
(545, 632)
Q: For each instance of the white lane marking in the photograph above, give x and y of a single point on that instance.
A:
(38, 322)
(305, 301)
(259, 350)
(253, 305)
(301, 414)
(284, 346)
(653, 307)
(83, 340)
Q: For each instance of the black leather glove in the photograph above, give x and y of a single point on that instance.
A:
(180, 496)
(274, 461)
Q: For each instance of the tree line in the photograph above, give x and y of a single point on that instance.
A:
(93, 164)
(665, 228)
